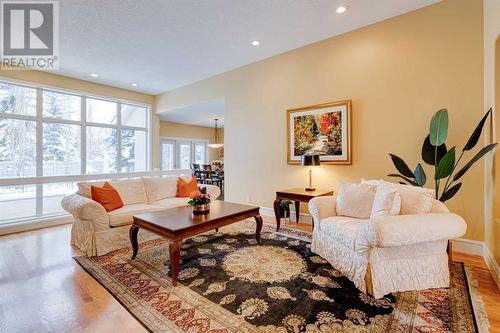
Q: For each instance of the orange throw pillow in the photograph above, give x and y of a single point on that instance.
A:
(185, 188)
(107, 196)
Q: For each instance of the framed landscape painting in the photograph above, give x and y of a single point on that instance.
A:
(323, 129)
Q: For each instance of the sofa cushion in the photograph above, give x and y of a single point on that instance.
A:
(184, 188)
(158, 188)
(107, 196)
(171, 202)
(355, 199)
(84, 187)
(387, 201)
(343, 229)
(414, 199)
(131, 190)
(124, 215)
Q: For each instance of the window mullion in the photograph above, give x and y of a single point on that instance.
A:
(39, 150)
(119, 138)
(83, 136)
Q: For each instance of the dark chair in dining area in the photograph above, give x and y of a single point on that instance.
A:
(213, 177)
(196, 172)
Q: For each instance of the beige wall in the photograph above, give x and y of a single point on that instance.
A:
(63, 82)
(397, 73)
(492, 83)
(175, 130)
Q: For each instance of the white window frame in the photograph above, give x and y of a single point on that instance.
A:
(176, 141)
(196, 142)
(39, 179)
(40, 120)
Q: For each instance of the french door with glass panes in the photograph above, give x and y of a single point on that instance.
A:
(167, 156)
(180, 153)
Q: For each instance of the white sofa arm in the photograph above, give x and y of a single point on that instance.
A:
(322, 207)
(83, 208)
(213, 191)
(402, 230)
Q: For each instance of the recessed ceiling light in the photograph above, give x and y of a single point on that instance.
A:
(94, 75)
(134, 84)
(341, 9)
(255, 43)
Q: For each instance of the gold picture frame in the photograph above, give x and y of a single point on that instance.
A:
(323, 129)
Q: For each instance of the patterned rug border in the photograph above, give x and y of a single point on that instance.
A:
(77, 259)
(476, 302)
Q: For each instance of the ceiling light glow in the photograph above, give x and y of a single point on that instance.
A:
(255, 43)
(94, 75)
(134, 84)
(341, 9)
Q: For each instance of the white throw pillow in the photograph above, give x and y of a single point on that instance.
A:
(415, 200)
(158, 188)
(387, 201)
(131, 190)
(355, 199)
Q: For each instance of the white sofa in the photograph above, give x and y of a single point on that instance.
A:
(386, 254)
(97, 232)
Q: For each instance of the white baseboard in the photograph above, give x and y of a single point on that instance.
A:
(492, 265)
(303, 217)
(468, 246)
(35, 224)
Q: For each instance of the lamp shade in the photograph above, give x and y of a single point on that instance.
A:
(310, 160)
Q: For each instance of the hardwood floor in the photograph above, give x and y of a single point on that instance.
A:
(42, 289)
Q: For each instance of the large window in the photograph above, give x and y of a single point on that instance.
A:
(46, 133)
(181, 153)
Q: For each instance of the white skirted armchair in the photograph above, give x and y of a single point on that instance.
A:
(386, 254)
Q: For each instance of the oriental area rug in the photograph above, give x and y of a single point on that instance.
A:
(230, 284)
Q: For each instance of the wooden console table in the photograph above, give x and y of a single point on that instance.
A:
(297, 195)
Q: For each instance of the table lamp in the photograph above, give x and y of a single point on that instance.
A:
(310, 161)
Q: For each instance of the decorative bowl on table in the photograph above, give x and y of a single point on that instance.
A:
(199, 200)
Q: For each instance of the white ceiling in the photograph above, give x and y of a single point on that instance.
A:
(200, 114)
(164, 44)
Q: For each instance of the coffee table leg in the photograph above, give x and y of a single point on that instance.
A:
(277, 212)
(258, 219)
(175, 250)
(133, 239)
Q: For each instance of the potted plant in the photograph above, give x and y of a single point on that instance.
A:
(285, 209)
(436, 154)
(200, 201)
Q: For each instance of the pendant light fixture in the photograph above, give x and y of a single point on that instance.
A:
(216, 143)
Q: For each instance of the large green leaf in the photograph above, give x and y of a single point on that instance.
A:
(438, 131)
(474, 138)
(401, 166)
(446, 165)
(420, 177)
(410, 181)
(449, 193)
(428, 152)
(476, 158)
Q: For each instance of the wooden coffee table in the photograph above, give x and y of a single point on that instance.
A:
(176, 224)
